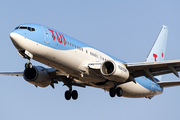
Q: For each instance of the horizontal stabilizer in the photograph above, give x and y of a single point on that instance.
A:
(169, 84)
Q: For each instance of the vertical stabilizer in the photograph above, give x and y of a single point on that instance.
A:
(157, 52)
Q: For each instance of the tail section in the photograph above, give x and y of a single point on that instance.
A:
(157, 52)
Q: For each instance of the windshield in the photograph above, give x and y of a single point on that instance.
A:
(24, 27)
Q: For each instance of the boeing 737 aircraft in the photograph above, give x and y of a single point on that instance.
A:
(77, 64)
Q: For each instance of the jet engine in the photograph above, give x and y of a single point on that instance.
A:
(114, 70)
(37, 76)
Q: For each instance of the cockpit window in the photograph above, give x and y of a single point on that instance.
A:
(24, 27)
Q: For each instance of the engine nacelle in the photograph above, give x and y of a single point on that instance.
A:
(38, 76)
(114, 70)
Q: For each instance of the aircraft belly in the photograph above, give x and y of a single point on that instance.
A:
(70, 64)
(132, 90)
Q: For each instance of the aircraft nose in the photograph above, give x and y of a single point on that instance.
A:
(13, 36)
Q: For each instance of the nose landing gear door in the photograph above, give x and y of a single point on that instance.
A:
(46, 35)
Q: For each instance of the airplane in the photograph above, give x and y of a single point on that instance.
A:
(77, 64)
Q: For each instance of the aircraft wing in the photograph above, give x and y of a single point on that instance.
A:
(18, 73)
(55, 74)
(151, 69)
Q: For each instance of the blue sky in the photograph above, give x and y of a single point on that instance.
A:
(124, 29)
